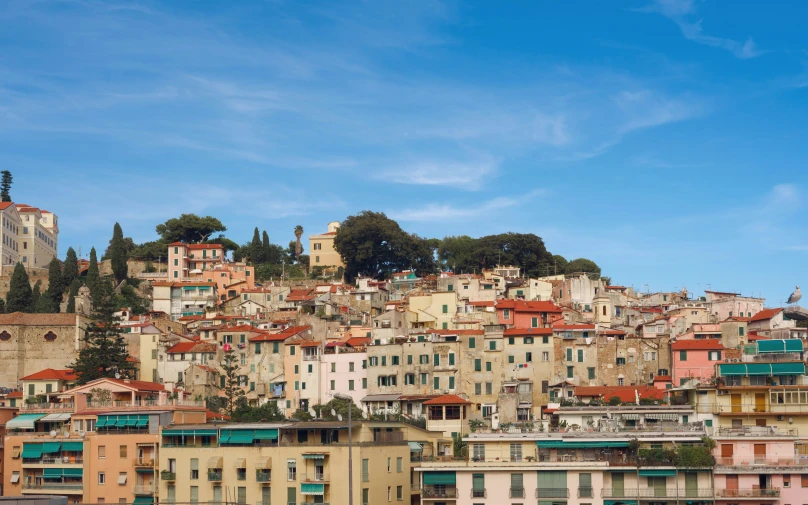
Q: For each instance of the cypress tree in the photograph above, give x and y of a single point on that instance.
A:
(92, 272)
(19, 298)
(104, 351)
(265, 251)
(36, 294)
(44, 304)
(2, 306)
(5, 186)
(71, 296)
(232, 389)
(55, 287)
(117, 254)
(256, 255)
(71, 268)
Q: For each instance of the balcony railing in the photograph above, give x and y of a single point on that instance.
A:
(585, 492)
(143, 462)
(146, 489)
(438, 492)
(311, 357)
(47, 406)
(63, 460)
(214, 475)
(166, 475)
(262, 476)
(517, 492)
(618, 493)
(315, 477)
(757, 431)
(696, 493)
(552, 492)
(798, 461)
(747, 493)
(479, 493)
(58, 486)
(415, 486)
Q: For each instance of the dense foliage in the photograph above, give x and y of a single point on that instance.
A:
(20, 294)
(118, 254)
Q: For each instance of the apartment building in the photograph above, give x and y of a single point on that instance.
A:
(291, 462)
(321, 248)
(181, 299)
(343, 369)
(207, 263)
(11, 230)
(38, 236)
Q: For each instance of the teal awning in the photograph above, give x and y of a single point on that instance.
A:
(436, 478)
(32, 451)
(72, 472)
(224, 437)
(73, 446)
(619, 502)
(657, 473)
(23, 422)
(237, 437)
(779, 346)
(101, 422)
(122, 421)
(51, 447)
(727, 369)
(759, 369)
(204, 288)
(312, 489)
(143, 500)
(415, 447)
(189, 288)
(314, 456)
(565, 444)
(189, 433)
(141, 469)
(788, 369)
(266, 434)
(52, 473)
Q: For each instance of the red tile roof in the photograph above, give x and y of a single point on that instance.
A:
(705, 344)
(310, 344)
(765, 314)
(51, 374)
(278, 337)
(240, 327)
(663, 378)
(625, 393)
(216, 416)
(139, 385)
(456, 332)
(523, 306)
(754, 337)
(510, 332)
(5, 205)
(192, 346)
(299, 295)
(447, 400)
(14, 394)
(358, 341)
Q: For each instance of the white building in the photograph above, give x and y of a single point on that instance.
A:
(38, 237)
(10, 246)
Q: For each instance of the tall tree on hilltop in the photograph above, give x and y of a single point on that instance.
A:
(118, 254)
(92, 272)
(298, 244)
(19, 298)
(71, 296)
(2, 306)
(256, 252)
(189, 228)
(103, 353)
(71, 267)
(232, 388)
(5, 186)
(36, 294)
(55, 287)
(266, 253)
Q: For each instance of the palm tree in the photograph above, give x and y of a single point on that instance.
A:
(298, 245)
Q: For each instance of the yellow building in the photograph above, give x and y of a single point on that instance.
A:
(436, 310)
(321, 248)
(290, 463)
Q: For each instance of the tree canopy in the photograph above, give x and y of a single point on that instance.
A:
(582, 265)
(465, 254)
(374, 245)
(118, 254)
(189, 228)
(5, 186)
(20, 294)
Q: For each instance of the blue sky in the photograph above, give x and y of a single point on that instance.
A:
(663, 139)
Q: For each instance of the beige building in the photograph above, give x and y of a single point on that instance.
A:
(291, 463)
(321, 248)
(38, 237)
(10, 246)
(180, 299)
(436, 310)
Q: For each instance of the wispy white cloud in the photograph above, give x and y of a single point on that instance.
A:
(472, 207)
(471, 175)
(681, 12)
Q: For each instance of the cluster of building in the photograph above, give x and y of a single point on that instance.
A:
(475, 389)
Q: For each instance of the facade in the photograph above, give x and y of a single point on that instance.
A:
(180, 299)
(321, 248)
(695, 359)
(38, 236)
(11, 229)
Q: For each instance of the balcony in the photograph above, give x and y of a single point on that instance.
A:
(215, 475)
(143, 489)
(143, 462)
(516, 492)
(262, 476)
(169, 476)
(797, 461)
(757, 431)
(747, 493)
(619, 493)
(57, 460)
(315, 477)
(479, 493)
(311, 357)
(552, 492)
(47, 407)
(438, 492)
(585, 492)
(58, 487)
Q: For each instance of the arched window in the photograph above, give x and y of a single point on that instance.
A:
(50, 336)
(5, 336)
(604, 310)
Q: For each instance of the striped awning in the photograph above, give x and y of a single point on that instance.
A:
(263, 463)
(630, 417)
(23, 422)
(215, 462)
(312, 489)
(240, 463)
(314, 456)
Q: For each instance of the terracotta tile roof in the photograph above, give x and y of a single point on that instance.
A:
(358, 341)
(765, 314)
(14, 394)
(181, 284)
(299, 295)
(138, 385)
(192, 346)
(611, 332)
(216, 416)
(523, 306)
(447, 400)
(52, 374)
(310, 344)
(625, 393)
(510, 332)
(21, 319)
(663, 378)
(240, 327)
(192, 318)
(277, 337)
(457, 332)
(705, 344)
(754, 337)
(5, 205)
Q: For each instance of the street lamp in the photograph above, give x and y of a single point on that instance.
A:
(349, 399)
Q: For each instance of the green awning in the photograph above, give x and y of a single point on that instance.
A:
(32, 451)
(141, 469)
(266, 434)
(759, 369)
(190, 433)
(224, 437)
(312, 489)
(142, 423)
(436, 478)
(204, 288)
(238, 437)
(727, 369)
(788, 369)
(314, 456)
(51, 447)
(565, 444)
(619, 502)
(52, 473)
(23, 422)
(73, 446)
(657, 473)
(72, 472)
(415, 447)
(617, 469)
(131, 423)
(143, 500)
(779, 346)
(189, 288)
(101, 422)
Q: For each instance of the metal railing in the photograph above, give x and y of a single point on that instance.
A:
(552, 492)
(414, 486)
(516, 492)
(438, 492)
(144, 489)
(311, 357)
(262, 476)
(479, 493)
(64, 460)
(585, 492)
(147, 462)
(747, 493)
(166, 475)
(61, 486)
(314, 477)
(748, 462)
(46, 406)
(757, 431)
(214, 476)
(618, 493)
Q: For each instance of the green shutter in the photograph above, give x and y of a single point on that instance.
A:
(478, 481)
(472, 343)
(569, 354)
(436, 383)
(440, 478)
(580, 355)
(682, 355)
(451, 382)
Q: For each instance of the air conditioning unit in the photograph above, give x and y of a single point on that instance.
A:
(728, 360)
(779, 418)
(722, 392)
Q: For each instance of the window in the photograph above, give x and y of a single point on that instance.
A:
(297, 369)
(423, 359)
(590, 373)
(275, 347)
(436, 383)
(545, 356)
(569, 353)
(570, 372)
(351, 366)
(786, 480)
(516, 452)
(436, 360)
(350, 385)
(333, 385)
(399, 493)
(333, 368)
(102, 478)
(291, 350)
(122, 451)
(715, 356)
(478, 388)
(534, 322)
(528, 340)
(102, 451)
(399, 465)
(291, 469)
(580, 355)
(619, 381)
(487, 366)
(445, 309)
(478, 485)
(364, 383)
(517, 486)
(478, 452)
(621, 361)
(511, 359)
(194, 468)
(478, 365)
(365, 470)
(451, 359)
(472, 343)
(585, 485)
(682, 355)
(528, 357)
(121, 478)
(506, 314)
(451, 382)
(740, 330)
(489, 388)
(492, 345)
(804, 480)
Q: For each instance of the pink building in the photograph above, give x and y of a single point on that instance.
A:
(343, 369)
(695, 359)
(521, 314)
(207, 263)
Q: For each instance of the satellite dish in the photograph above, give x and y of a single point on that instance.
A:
(53, 433)
(364, 415)
(333, 412)
(117, 375)
(313, 413)
(339, 416)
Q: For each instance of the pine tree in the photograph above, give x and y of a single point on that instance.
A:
(44, 304)
(55, 287)
(232, 389)
(265, 248)
(92, 273)
(19, 291)
(5, 186)
(36, 294)
(117, 254)
(103, 352)
(256, 250)
(71, 268)
(2, 306)
(71, 296)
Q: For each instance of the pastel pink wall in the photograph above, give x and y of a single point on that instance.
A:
(698, 365)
